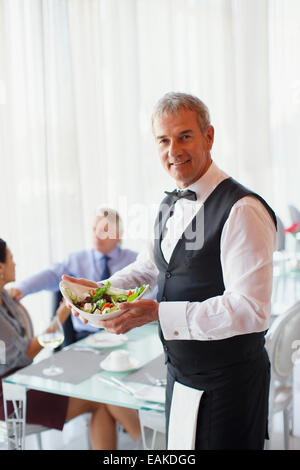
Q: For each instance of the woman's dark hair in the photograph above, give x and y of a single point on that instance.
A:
(2, 251)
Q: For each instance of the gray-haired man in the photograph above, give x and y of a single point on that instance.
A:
(213, 302)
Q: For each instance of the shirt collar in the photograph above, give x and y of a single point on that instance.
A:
(205, 185)
(114, 254)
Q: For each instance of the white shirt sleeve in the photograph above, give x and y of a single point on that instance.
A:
(142, 271)
(247, 245)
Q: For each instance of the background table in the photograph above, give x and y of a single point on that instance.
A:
(143, 343)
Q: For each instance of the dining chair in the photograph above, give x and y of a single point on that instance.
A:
(153, 429)
(16, 427)
(31, 429)
(282, 341)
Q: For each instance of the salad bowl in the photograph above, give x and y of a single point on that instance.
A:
(98, 304)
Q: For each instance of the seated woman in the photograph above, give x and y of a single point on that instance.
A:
(43, 408)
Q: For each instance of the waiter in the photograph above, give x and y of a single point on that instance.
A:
(212, 262)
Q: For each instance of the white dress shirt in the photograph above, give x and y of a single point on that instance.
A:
(247, 244)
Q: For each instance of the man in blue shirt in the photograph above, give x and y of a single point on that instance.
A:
(100, 262)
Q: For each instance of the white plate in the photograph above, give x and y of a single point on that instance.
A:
(92, 318)
(151, 393)
(105, 340)
(134, 365)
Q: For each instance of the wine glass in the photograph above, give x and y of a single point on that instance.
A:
(51, 340)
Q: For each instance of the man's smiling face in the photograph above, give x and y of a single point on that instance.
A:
(183, 149)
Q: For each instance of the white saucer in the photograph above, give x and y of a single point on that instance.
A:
(105, 340)
(134, 365)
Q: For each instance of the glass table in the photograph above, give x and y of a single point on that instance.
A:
(143, 343)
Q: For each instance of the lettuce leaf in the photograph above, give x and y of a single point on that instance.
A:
(100, 292)
(136, 293)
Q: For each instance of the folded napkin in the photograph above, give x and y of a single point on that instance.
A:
(183, 417)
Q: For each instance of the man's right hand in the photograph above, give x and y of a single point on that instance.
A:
(16, 294)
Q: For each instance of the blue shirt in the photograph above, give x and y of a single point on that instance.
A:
(86, 263)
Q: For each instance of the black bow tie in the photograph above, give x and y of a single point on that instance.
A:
(187, 194)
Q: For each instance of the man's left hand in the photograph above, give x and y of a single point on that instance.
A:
(133, 315)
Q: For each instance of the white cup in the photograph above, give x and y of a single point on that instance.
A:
(119, 359)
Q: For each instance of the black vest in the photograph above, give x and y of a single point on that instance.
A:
(196, 275)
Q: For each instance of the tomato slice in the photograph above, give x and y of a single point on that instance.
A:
(106, 305)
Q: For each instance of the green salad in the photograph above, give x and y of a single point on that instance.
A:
(105, 299)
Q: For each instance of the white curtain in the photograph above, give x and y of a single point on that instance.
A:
(284, 122)
(78, 81)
